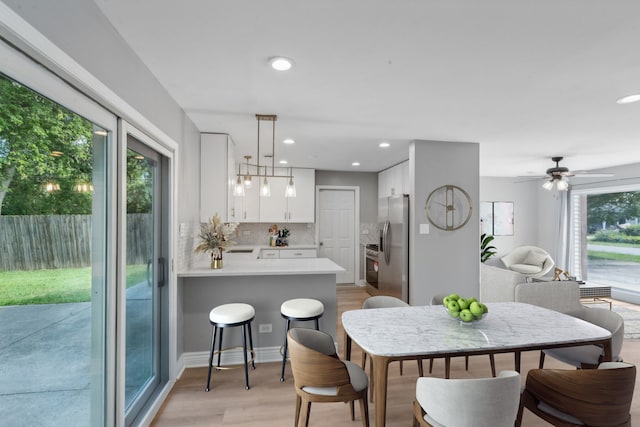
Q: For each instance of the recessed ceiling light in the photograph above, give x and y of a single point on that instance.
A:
(355, 164)
(283, 162)
(629, 99)
(280, 63)
(384, 145)
(289, 141)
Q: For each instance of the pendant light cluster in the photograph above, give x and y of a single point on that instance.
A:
(244, 180)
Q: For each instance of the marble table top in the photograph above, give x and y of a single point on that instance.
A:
(429, 330)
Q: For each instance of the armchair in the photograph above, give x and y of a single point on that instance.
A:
(591, 397)
(530, 261)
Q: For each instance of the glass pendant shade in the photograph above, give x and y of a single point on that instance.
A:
(238, 190)
(290, 191)
(548, 185)
(247, 181)
(265, 188)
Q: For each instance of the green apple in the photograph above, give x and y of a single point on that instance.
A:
(476, 309)
(472, 299)
(454, 296)
(453, 313)
(485, 309)
(453, 306)
(463, 303)
(446, 301)
(466, 316)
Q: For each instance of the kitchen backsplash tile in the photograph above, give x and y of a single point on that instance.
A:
(258, 233)
(369, 233)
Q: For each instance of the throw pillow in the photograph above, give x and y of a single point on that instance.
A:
(535, 258)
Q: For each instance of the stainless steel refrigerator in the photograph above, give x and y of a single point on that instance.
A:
(393, 258)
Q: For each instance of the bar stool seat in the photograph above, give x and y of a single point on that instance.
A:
(227, 316)
(299, 310)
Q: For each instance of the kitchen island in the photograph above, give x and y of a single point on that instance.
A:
(263, 283)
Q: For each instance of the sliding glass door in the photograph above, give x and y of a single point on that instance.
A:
(146, 290)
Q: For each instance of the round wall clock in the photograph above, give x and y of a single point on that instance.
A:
(448, 207)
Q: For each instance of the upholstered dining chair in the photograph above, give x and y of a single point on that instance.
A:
(478, 402)
(530, 261)
(438, 300)
(584, 397)
(320, 376)
(383, 301)
(589, 356)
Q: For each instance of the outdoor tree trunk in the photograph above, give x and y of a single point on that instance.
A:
(4, 184)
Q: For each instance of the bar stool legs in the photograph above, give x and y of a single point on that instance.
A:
(225, 316)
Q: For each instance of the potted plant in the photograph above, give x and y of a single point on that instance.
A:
(215, 237)
(486, 250)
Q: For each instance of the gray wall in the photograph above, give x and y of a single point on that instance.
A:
(368, 183)
(443, 261)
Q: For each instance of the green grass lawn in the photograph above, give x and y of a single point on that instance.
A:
(54, 286)
(613, 256)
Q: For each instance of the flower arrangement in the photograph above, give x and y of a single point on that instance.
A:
(215, 236)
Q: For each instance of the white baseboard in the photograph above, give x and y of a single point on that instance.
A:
(625, 295)
(198, 359)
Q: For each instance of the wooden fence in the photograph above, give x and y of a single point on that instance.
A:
(63, 241)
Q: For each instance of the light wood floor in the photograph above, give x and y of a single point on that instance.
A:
(271, 403)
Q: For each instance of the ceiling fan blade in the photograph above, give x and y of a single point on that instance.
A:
(584, 174)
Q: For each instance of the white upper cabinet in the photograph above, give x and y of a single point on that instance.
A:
(216, 175)
(394, 181)
(278, 208)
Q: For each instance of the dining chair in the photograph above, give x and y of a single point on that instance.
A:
(320, 376)
(589, 356)
(383, 301)
(478, 402)
(583, 397)
(438, 300)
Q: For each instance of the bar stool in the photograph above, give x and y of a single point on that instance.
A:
(227, 316)
(299, 310)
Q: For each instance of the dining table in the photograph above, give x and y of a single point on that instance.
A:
(425, 332)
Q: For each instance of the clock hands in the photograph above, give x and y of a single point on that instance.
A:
(449, 207)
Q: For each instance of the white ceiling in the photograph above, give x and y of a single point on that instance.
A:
(527, 80)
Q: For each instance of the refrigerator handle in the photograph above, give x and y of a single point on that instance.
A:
(386, 245)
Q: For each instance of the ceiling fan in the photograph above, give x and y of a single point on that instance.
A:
(557, 175)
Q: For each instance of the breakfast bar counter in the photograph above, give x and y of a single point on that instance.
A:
(263, 283)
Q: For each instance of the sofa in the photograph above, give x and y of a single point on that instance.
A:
(502, 285)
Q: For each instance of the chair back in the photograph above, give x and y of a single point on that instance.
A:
(437, 299)
(558, 296)
(314, 362)
(609, 320)
(383, 301)
(597, 397)
(479, 402)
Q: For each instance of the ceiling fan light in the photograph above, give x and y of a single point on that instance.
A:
(548, 185)
(563, 185)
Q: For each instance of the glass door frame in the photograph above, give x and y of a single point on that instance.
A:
(168, 310)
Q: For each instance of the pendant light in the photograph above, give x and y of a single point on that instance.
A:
(247, 177)
(265, 188)
(290, 191)
(238, 189)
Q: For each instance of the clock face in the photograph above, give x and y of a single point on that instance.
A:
(448, 207)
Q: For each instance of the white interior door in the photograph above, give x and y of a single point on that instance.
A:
(336, 230)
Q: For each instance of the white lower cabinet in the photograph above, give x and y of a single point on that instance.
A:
(270, 253)
(288, 253)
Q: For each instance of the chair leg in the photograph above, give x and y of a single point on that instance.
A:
(401, 367)
(244, 353)
(306, 411)
(315, 321)
(253, 355)
(431, 365)
(541, 363)
(466, 363)
(447, 367)
(298, 405)
(220, 345)
(213, 344)
(287, 325)
(352, 410)
(364, 411)
(420, 370)
(364, 359)
(492, 362)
